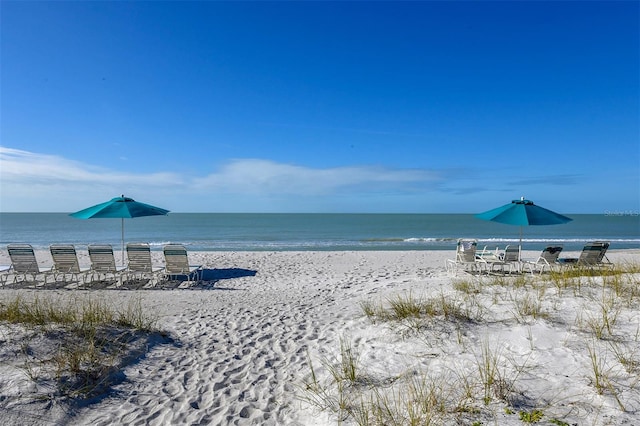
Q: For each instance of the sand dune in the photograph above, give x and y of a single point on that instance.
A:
(240, 346)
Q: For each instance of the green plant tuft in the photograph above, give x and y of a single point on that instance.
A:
(91, 338)
(531, 416)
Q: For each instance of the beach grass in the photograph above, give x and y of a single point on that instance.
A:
(78, 343)
(83, 313)
(415, 312)
(391, 339)
(488, 381)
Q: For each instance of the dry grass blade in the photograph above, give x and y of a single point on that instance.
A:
(91, 338)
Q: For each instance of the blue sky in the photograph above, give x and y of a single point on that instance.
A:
(320, 106)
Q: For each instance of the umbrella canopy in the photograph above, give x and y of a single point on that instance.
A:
(119, 207)
(523, 213)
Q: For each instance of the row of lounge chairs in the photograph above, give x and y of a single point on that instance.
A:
(66, 267)
(469, 259)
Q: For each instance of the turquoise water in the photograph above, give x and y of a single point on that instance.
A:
(241, 232)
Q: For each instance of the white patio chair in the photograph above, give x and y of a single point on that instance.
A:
(593, 255)
(509, 259)
(103, 263)
(65, 262)
(466, 258)
(24, 263)
(548, 260)
(177, 264)
(139, 264)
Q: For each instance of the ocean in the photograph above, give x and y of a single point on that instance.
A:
(286, 232)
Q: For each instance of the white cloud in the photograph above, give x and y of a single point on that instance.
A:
(25, 168)
(255, 176)
(40, 182)
(50, 183)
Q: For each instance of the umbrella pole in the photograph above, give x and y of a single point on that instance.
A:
(520, 246)
(122, 219)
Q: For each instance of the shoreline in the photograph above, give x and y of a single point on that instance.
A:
(243, 345)
(204, 257)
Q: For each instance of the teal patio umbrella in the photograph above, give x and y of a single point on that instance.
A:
(120, 207)
(523, 213)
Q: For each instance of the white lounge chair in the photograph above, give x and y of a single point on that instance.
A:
(548, 260)
(103, 263)
(177, 263)
(466, 258)
(4, 273)
(510, 258)
(65, 262)
(139, 263)
(24, 263)
(593, 255)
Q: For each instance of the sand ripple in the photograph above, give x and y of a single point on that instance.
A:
(242, 348)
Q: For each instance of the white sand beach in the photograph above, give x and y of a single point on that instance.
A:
(239, 346)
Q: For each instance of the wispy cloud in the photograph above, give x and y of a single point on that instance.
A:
(42, 182)
(25, 168)
(256, 176)
(28, 177)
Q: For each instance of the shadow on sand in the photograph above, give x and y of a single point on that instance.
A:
(226, 274)
(210, 279)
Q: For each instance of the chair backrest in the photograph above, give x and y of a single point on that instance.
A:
(102, 259)
(550, 254)
(593, 253)
(466, 250)
(65, 258)
(23, 258)
(604, 246)
(511, 253)
(139, 257)
(176, 259)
